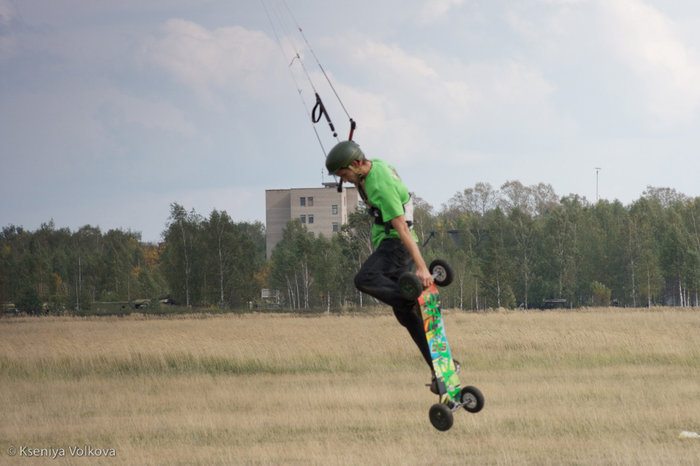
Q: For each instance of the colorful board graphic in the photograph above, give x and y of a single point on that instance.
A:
(448, 381)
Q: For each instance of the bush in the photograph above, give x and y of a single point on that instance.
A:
(600, 294)
(29, 301)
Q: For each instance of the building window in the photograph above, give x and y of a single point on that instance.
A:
(302, 201)
(303, 219)
(334, 209)
(310, 201)
(335, 227)
(311, 218)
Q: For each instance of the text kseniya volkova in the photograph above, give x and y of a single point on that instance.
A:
(86, 451)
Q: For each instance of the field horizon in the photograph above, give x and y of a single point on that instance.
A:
(589, 386)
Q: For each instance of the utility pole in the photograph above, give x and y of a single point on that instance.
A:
(597, 170)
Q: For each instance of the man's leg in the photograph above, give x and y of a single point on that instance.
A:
(413, 322)
(379, 277)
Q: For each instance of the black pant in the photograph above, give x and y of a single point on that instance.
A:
(379, 277)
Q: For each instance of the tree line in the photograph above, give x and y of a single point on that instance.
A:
(518, 247)
(521, 246)
(210, 261)
(514, 247)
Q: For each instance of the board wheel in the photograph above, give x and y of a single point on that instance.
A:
(441, 417)
(442, 272)
(472, 399)
(410, 285)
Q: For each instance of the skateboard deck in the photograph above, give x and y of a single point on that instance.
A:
(443, 364)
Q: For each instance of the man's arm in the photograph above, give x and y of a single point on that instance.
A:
(399, 224)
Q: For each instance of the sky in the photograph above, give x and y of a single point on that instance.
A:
(112, 111)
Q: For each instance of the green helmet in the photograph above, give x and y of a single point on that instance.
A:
(342, 156)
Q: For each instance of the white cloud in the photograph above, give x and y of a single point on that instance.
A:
(243, 204)
(464, 85)
(416, 98)
(228, 59)
(667, 69)
(392, 59)
(565, 2)
(8, 41)
(147, 113)
(7, 11)
(82, 124)
(537, 90)
(434, 10)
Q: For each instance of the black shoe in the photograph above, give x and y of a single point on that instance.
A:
(434, 386)
(433, 383)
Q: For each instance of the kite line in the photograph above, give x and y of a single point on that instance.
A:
(279, 20)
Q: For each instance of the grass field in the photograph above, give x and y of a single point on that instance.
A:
(599, 386)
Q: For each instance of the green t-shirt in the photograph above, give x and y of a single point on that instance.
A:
(385, 191)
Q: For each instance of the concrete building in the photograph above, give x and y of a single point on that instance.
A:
(321, 210)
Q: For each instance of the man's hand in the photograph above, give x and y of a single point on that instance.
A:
(422, 272)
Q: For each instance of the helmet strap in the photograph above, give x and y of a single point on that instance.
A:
(357, 171)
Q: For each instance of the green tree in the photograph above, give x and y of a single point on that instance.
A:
(28, 299)
(557, 268)
(497, 264)
(290, 264)
(600, 294)
(220, 240)
(679, 259)
(121, 261)
(355, 245)
(605, 248)
(247, 261)
(182, 254)
(645, 226)
(86, 265)
(525, 230)
(326, 269)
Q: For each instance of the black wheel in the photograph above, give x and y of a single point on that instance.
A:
(442, 272)
(472, 399)
(410, 285)
(441, 417)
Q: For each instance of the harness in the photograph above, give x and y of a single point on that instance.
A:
(376, 213)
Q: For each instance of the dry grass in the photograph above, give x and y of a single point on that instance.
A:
(601, 386)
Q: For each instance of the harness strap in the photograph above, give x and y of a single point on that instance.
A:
(377, 214)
